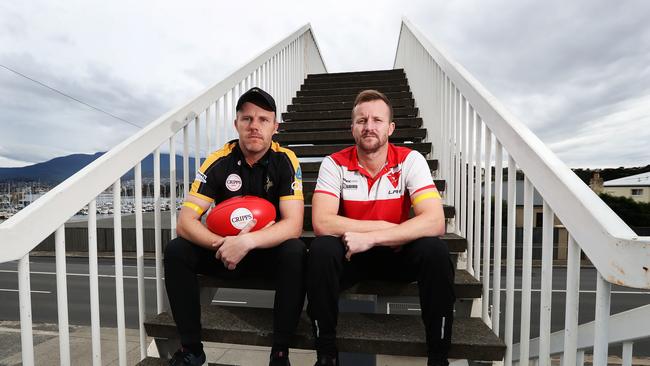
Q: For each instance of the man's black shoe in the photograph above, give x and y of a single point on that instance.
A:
(183, 357)
(279, 358)
(327, 360)
(437, 361)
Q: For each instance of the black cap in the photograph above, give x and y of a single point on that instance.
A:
(258, 97)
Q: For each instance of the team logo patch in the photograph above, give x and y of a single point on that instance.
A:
(233, 182)
(201, 177)
(240, 217)
(296, 185)
(393, 177)
(299, 173)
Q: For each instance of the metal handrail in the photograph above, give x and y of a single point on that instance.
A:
(621, 256)
(27, 228)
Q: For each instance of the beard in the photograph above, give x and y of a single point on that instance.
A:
(371, 143)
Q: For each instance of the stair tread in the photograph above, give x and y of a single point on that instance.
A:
(343, 105)
(465, 286)
(351, 90)
(341, 114)
(328, 149)
(341, 124)
(356, 73)
(153, 361)
(401, 335)
(343, 136)
(345, 97)
(366, 84)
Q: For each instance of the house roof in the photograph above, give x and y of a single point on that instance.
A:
(638, 180)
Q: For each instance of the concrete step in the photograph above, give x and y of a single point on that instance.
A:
(465, 286)
(342, 137)
(356, 80)
(342, 124)
(304, 151)
(341, 114)
(345, 98)
(336, 84)
(351, 90)
(152, 361)
(311, 169)
(347, 106)
(357, 74)
(399, 335)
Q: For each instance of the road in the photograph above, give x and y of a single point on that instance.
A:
(44, 308)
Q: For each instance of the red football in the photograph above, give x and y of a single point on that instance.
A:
(230, 216)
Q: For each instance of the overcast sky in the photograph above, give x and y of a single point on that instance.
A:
(576, 72)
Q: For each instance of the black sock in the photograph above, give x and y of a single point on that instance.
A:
(279, 348)
(195, 348)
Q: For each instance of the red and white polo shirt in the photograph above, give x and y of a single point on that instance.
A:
(387, 196)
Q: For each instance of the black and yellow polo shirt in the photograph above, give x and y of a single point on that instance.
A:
(226, 174)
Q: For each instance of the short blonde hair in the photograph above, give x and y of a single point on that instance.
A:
(368, 96)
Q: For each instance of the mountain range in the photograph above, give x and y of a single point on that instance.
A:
(57, 170)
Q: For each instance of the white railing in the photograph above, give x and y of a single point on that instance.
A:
(464, 122)
(280, 70)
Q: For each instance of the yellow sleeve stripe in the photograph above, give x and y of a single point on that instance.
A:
(425, 196)
(199, 195)
(224, 151)
(194, 207)
(290, 154)
(292, 197)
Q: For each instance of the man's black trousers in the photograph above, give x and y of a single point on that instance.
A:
(425, 260)
(285, 263)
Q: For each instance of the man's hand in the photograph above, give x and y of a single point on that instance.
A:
(357, 243)
(233, 249)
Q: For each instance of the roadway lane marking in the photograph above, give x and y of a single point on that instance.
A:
(34, 331)
(32, 291)
(77, 274)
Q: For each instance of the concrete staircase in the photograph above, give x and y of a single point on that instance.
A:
(315, 125)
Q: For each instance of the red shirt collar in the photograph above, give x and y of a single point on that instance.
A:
(391, 161)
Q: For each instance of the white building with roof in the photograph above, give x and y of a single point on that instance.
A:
(636, 187)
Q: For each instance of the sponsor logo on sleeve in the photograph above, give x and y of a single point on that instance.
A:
(233, 182)
(201, 177)
(299, 174)
(296, 185)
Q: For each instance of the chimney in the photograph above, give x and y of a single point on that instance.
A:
(596, 182)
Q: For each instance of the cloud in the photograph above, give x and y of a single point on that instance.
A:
(559, 66)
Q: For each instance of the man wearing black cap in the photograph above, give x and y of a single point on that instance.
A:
(251, 165)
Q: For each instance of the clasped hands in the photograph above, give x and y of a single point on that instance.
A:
(232, 249)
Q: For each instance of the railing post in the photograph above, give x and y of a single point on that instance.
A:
(172, 185)
(157, 232)
(510, 259)
(119, 272)
(25, 305)
(603, 293)
(498, 208)
(547, 287)
(94, 283)
(478, 198)
(62, 296)
(471, 181)
(524, 336)
(572, 303)
(139, 249)
(487, 221)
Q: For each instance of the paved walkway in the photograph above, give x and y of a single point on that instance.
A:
(46, 349)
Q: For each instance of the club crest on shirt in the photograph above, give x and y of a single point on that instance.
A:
(393, 177)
